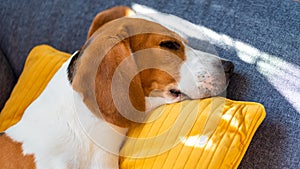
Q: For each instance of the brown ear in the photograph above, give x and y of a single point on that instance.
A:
(118, 87)
(107, 16)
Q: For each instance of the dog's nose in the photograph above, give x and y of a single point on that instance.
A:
(228, 67)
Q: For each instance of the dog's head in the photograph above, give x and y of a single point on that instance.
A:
(129, 66)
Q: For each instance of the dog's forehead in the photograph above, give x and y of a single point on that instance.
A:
(112, 33)
(132, 27)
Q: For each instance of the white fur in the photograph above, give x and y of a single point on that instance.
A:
(154, 102)
(51, 130)
(201, 75)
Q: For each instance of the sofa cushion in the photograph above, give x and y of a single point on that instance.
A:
(7, 79)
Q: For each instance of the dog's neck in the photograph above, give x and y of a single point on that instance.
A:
(58, 129)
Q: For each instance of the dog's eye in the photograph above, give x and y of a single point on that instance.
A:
(175, 92)
(170, 45)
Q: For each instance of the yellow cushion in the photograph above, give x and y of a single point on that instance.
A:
(208, 133)
(42, 63)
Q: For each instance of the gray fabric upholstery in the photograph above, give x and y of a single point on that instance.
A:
(7, 79)
(272, 27)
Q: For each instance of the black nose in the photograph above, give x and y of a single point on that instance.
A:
(228, 67)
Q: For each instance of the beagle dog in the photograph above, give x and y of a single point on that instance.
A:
(127, 67)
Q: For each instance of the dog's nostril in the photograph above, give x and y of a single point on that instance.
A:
(228, 67)
(175, 92)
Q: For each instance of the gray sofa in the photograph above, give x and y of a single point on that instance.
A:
(262, 38)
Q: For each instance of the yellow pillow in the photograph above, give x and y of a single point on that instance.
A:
(42, 63)
(208, 133)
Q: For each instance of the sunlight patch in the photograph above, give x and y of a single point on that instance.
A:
(195, 141)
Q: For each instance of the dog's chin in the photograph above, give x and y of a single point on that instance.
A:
(206, 89)
(214, 93)
(218, 91)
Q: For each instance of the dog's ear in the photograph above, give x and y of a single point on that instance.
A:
(118, 87)
(107, 16)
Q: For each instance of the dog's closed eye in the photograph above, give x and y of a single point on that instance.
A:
(170, 45)
(175, 92)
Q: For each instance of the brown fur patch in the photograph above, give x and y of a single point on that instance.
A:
(11, 155)
(103, 84)
(107, 16)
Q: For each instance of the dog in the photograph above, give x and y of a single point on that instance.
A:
(127, 67)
